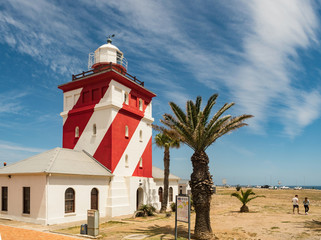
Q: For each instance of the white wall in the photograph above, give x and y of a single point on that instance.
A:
(82, 185)
(15, 184)
(172, 183)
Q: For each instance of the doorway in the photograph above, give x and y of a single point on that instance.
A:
(94, 199)
(139, 197)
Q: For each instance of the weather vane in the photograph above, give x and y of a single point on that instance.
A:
(109, 38)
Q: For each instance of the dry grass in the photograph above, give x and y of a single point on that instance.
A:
(269, 218)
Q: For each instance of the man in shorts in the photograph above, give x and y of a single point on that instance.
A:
(295, 202)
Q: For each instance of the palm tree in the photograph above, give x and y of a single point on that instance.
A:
(197, 130)
(163, 140)
(244, 197)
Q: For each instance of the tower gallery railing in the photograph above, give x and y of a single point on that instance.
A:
(109, 66)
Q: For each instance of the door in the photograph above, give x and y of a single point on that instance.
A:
(94, 199)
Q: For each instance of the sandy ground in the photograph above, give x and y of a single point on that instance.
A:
(269, 218)
(13, 233)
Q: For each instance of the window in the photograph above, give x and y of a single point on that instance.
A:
(126, 131)
(86, 97)
(4, 198)
(95, 94)
(141, 135)
(140, 104)
(160, 194)
(94, 199)
(94, 129)
(69, 200)
(77, 132)
(140, 163)
(119, 57)
(126, 160)
(170, 194)
(26, 200)
(126, 98)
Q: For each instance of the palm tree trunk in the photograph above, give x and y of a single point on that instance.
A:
(202, 189)
(166, 174)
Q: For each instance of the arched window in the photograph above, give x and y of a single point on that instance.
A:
(170, 194)
(160, 194)
(94, 129)
(140, 104)
(77, 132)
(126, 131)
(141, 163)
(94, 199)
(141, 135)
(126, 160)
(69, 200)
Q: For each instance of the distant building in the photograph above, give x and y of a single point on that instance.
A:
(183, 187)
(106, 159)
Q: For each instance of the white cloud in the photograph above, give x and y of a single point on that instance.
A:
(12, 152)
(264, 83)
(254, 55)
(10, 102)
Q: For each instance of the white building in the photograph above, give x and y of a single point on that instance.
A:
(106, 159)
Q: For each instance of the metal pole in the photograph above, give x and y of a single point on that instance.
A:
(176, 220)
(189, 217)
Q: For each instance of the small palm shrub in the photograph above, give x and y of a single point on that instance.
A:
(147, 210)
(244, 197)
(238, 187)
(173, 207)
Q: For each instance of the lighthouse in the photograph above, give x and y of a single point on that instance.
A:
(108, 113)
(105, 162)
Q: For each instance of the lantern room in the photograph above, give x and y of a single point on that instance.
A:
(105, 55)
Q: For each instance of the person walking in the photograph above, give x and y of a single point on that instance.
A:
(295, 202)
(306, 204)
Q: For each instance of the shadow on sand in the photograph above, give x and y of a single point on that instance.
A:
(164, 231)
(313, 225)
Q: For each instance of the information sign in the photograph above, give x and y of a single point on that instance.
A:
(182, 208)
(183, 212)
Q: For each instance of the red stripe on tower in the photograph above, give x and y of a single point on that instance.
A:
(81, 112)
(116, 139)
(144, 168)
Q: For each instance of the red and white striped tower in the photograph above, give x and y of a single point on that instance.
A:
(108, 113)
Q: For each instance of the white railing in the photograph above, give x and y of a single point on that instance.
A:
(92, 60)
(123, 62)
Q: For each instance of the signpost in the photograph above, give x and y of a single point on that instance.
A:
(183, 212)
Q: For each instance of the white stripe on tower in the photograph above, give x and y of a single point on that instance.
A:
(104, 114)
(135, 148)
(70, 100)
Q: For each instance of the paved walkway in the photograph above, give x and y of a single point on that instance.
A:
(16, 230)
(14, 233)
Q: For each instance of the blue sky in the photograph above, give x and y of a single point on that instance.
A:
(262, 55)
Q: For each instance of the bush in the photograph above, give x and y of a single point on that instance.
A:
(173, 207)
(147, 209)
(238, 187)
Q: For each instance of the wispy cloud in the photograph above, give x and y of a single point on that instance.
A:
(12, 152)
(20, 148)
(10, 102)
(43, 31)
(265, 80)
(252, 60)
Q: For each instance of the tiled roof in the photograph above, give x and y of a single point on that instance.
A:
(58, 160)
(159, 174)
